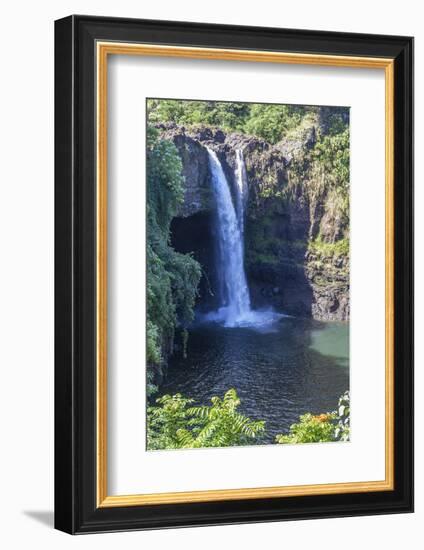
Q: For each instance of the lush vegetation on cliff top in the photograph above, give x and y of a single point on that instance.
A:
(268, 121)
(324, 164)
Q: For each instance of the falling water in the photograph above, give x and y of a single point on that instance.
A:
(235, 300)
(241, 180)
(235, 310)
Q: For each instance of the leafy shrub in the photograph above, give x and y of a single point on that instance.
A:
(222, 114)
(267, 121)
(172, 278)
(310, 429)
(325, 427)
(175, 424)
(151, 388)
(332, 153)
(271, 122)
(321, 248)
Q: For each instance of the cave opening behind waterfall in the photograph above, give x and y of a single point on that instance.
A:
(195, 235)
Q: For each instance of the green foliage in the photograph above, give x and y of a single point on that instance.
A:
(151, 388)
(332, 154)
(165, 180)
(153, 343)
(176, 424)
(330, 426)
(329, 250)
(270, 122)
(310, 429)
(334, 119)
(172, 278)
(325, 167)
(262, 247)
(225, 115)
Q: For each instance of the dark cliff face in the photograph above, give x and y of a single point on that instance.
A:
(198, 195)
(296, 251)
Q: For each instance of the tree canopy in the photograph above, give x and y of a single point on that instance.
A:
(268, 121)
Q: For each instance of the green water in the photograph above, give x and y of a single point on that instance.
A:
(333, 341)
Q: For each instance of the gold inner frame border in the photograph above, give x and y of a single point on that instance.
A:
(103, 50)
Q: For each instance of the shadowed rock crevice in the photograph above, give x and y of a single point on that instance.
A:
(195, 235)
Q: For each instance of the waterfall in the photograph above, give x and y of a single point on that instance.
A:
(235, 299)
(241, 180)
(235, 309)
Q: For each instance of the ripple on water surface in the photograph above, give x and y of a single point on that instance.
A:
(280, 369)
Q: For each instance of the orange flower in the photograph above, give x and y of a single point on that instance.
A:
(321, 417)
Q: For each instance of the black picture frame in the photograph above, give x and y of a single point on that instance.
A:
(76, 510)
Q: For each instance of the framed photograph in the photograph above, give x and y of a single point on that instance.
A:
(233, 274)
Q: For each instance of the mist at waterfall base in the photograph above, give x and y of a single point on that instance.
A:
(281, 366)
